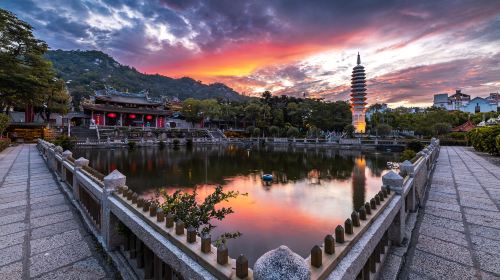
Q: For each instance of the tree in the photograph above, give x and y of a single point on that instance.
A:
(292, 132)
(4, 122)
(192, 110)
(25, 76)
(349, 130)
(442, 128)
(55, 100)
(383, 129)
(274, 130)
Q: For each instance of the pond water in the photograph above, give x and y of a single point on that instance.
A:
(313, 190)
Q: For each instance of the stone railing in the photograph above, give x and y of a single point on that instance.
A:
(147, 243)
(143, 241)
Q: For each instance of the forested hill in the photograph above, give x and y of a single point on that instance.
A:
(86, 71)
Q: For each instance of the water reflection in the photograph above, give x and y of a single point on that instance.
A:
(312, 191)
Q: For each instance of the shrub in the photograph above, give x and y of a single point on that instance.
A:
(349, 130)
(256, 132)
(384, 129)
(176, 142)
(162, 144)
(66, 142)
(442, 128)
(189, 142)
(407, 155)
(415, 146)
(498, 142)
(4, 122)
(131, 145)
(292, 132)
(456, 135)
(483, 139)
(274, 130)
(4, 143)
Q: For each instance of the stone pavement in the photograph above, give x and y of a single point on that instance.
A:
(458, 234)
(41, 234)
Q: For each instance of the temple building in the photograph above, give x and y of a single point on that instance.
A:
(358, 97)
(110, 107)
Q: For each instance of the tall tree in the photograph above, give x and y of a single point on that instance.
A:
(26, 78)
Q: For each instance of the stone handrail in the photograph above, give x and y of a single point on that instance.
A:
(105, 203)
(355, 249)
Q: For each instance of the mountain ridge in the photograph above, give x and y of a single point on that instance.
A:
(87, 71)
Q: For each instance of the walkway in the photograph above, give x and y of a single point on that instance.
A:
(41, 234)
(458, 235)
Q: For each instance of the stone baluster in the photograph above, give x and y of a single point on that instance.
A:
(392, 181)
(109, 222)
(79, 164)
(408, 169)
(242, 267)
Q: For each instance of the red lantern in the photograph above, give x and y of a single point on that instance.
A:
(131, 116)
(111, 115)
(149, 117)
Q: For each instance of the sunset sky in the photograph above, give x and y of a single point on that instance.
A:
(410, 49)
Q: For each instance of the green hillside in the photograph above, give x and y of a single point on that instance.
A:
(86, 71)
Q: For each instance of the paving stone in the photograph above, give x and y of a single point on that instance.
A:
(430, 210)
(50, 219)
(488, 262)
(444, 249)
(439, 268)
(443, 222)
(49, 210)
(54, 241)
(12, 271)
(485, 213)
(86, 269)
(12, 228)
(46, 198)
(54, 229)
(11, 239)
(12, 210)
(58, 258)
(13, 204)
(487, 232)
(11, 254)
(445, 206)
(8, 219)
(486, 245)
(482, 220)
(444, 234)
(50, 192)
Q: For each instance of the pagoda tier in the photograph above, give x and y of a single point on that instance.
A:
(358, 97)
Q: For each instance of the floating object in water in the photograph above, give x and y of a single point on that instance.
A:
(267, 177)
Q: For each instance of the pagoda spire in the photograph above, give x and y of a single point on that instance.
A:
(359, 59)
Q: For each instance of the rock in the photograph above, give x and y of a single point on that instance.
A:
(281, 263)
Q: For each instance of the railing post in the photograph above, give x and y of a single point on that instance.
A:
(408, 169)
(65, 156)
(109, 223)
(394, 182)
(79, 163)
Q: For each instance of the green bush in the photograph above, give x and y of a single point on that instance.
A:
(415, 146)
(484, 139)
(407, 155)
(4, 143)
(498, 142)
(176, 142)
(189, 142)
(66, 142)
(131, 145)
(456, 135)
(292, 132)
(162, 144)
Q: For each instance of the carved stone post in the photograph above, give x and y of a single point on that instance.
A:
(394, 182)
(408, 169)
(65, 155)
(79, 163)
(109, 225)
